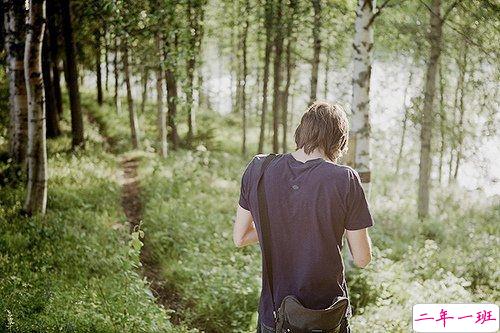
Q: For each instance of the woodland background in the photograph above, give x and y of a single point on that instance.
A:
(125, 127)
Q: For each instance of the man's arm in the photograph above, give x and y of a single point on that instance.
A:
(244, 232)
(360, 246)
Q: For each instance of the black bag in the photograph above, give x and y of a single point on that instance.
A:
(292, 316)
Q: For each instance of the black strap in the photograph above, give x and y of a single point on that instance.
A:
(265, 228)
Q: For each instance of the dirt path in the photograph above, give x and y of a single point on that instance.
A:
(132, 205)
(133, 208)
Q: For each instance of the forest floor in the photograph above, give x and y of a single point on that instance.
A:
(127, 231)
(76, 269)
(133, 208)
(188, 201)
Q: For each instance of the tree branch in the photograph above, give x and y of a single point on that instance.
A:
(448, 11)
(466, 36)
(470, 41)
(378, 12)
(428, 8)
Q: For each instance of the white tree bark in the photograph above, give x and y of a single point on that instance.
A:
(14, 45)
(360, 124)
(36, 199)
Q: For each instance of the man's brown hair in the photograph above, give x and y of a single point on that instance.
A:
(323, 126)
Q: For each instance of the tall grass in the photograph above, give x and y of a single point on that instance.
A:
(190, 202)
(75, 269)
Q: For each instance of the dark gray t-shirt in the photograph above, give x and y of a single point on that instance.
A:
(310, 205)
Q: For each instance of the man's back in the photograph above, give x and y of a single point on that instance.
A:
(309, 205)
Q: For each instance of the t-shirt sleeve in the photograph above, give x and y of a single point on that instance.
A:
(245, 187)
(358, 211)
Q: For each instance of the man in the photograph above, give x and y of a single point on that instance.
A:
(312, 202)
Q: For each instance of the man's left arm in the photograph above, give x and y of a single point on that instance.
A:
(244, 232)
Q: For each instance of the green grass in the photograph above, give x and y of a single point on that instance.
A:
(190, 201)
(190, 204)
(75, 269)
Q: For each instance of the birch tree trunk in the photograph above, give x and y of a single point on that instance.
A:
(15, 27)
(278, 51)
(162, 115)
(427, 118)
(317, 50)
(265, 79)
(361, 125)
(134, 128)
(72, 77)
(36, 198)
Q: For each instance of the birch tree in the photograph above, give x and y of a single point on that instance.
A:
(36, 198)
(361, 127)
(14, 45)
(359, 140)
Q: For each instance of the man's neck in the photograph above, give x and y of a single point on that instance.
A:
(300, 155)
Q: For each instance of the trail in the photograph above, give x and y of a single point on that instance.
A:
(133, 207)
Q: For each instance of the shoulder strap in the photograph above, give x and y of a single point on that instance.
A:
(265, 228)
